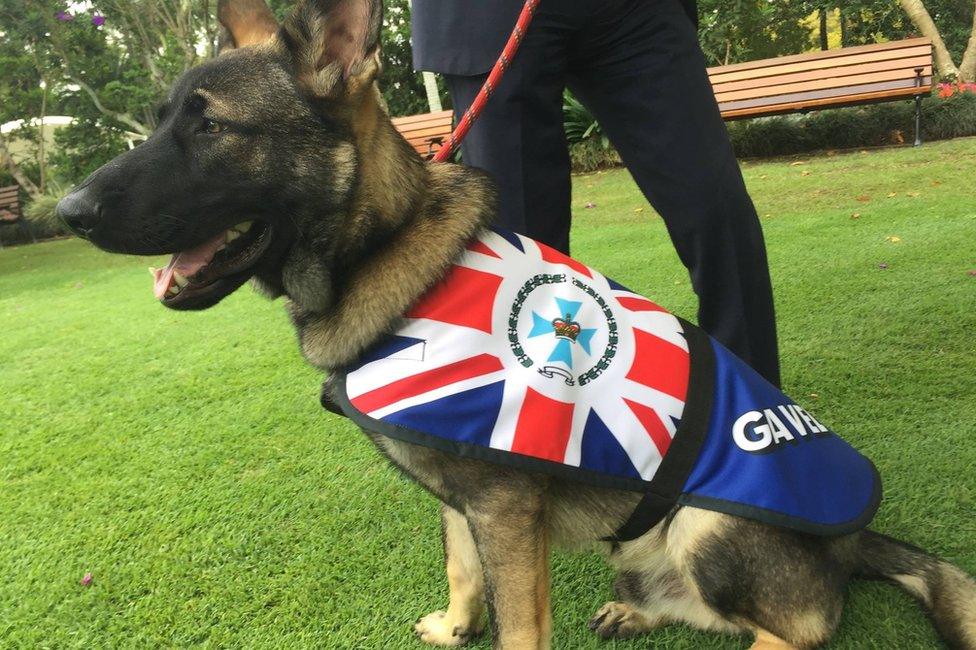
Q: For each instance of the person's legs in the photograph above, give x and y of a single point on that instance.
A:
(519, 138)
(648, 88)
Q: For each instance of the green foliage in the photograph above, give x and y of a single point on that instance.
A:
(590, 155)
(743, 30)
(78, 154)
(579, 123)
(846, 128)
(43, 219)
(589, 146)
(872, 21)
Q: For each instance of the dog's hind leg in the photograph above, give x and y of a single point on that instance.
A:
(464, 616)
(512, 537)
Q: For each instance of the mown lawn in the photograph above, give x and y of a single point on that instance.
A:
(183, 460)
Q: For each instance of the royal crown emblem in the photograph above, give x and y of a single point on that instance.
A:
(566, 328)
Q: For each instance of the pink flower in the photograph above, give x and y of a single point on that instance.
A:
(87, 580)
(98, 20)
(946, 90)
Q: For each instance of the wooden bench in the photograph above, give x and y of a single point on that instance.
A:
(789, 84)
(10, 212)
(426, 132)
(844, 77)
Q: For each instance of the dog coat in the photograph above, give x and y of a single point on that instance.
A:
(525, 357)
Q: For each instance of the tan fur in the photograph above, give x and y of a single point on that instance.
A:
(249, 22)
(465, 579)
(767, 641)
(396, 276)
(689, 528)
(960, 592)
(513, 543)
(661, 555)
(621, 620)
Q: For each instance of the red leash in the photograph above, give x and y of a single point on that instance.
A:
(494, 77)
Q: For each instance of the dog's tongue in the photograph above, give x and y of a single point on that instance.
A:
(188, 263)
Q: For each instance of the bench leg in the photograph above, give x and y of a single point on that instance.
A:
(918, 120)
(918, 107)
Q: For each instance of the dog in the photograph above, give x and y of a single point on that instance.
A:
(276, 163)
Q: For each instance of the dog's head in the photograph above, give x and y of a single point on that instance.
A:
(254, 151)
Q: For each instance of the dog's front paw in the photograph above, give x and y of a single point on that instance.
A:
(438, 629)
(617, 620)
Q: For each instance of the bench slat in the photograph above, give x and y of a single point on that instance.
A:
(774, 66)
(426, 133)
(840, 84)
(819, 99)
(824, 54)
(424, 117)
(907, 65)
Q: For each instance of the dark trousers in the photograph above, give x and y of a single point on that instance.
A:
(637, 66)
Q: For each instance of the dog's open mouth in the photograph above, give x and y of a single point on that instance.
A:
(201, 276)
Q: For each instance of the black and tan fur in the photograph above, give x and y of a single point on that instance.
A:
(361, 228)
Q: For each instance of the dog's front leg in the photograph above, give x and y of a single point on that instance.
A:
(513, 544)
(464, 616)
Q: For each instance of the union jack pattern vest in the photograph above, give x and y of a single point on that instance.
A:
(525, 357)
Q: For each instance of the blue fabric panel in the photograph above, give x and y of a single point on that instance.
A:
(601, 452)
(509, 236)
(386, 348)
(762, 452)
(463, 417)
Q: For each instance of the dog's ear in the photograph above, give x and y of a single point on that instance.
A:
(244, 22)
(333, 42)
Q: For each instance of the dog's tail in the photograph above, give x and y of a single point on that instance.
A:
(948, 594)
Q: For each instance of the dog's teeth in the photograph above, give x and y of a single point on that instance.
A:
(232, 235)
(244, 227)
(180, 280)
(173, 290)
(153, 270)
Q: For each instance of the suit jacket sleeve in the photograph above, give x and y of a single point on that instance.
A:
(465, 37)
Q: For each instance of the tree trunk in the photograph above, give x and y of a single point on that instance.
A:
(433, 95)
(41, 158)
(967, 69)
(845, 38)
(823, 28)
(920, 17)
(7, 161)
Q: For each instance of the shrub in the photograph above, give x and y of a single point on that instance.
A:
(41, 219)
(590, 155)
(589, 147)
(860, 126)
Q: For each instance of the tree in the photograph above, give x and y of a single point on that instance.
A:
(920, 17)
(107, 64)
(741, 30)
(951, 24)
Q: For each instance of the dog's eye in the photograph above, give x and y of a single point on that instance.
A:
(210, 126)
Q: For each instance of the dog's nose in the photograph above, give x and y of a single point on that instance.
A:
(79, 212)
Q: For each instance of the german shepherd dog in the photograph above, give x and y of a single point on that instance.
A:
(277, 162)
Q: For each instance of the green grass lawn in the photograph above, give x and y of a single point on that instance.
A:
(183, 460)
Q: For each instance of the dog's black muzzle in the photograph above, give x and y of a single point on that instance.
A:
(79, 211)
